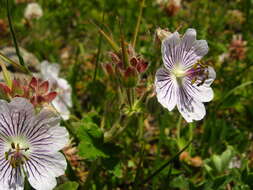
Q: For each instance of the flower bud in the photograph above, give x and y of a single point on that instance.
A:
(161, 34)
(108, 69)
(142, 66)
(130, 77)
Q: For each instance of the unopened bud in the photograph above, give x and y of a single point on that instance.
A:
(108, 69)
(142, 66)
(130, 77)
(161, 34)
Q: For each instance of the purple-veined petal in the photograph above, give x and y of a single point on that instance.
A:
(190, 108)
(169, 50)
(15, 116)
(39, 137)
(10, 178)
(166, 87)
(198, 50)
(43, 168)
(60, 137)
(188, 39)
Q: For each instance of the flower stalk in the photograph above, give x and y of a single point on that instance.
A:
(21, 60)
(137, 28)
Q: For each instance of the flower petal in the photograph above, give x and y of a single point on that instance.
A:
(24, 104)
(61, 107)
(193, 111)
(211, 76)
(202, 93)
(188, 39)
(169, 50)
(190, 108)
(200, 48)
(43, 168)
(10, 178)
(166, 89)
(60, 137)
(47, 134)
(195, 53)
(50, 71)
(15, 116)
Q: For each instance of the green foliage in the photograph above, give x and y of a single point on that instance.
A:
(91, 140)
(68, 186)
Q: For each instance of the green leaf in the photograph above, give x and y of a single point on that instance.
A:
(180, 182)
(217, 163)
(226, 158)
(68, 186)
(221, 181)
(91, 140)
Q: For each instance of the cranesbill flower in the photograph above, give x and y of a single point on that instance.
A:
(184, 81)
(63, 101)
(29, 145)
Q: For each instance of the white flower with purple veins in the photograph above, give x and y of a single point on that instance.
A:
(29, 145)
(63, 101)
(184, 81)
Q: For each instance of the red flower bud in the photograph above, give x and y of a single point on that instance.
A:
(142, 66)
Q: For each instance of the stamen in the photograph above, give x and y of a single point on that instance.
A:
(16, 155)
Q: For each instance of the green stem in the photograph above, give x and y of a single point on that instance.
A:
(179, 127)
(98, 53)
(125, 58)
(165, 165)
(139, 167)
(137, 28)
(21, 60)
(191, 130)
(7, 60)
(141, 127)
(128, 93)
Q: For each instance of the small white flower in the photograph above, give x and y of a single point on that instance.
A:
(62, 101)
(29, 145)
(33, 11)
(184, 81)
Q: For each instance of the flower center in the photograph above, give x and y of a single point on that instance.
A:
(17, 154)
(179, 72)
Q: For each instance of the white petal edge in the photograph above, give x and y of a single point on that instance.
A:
(201, 48)
(188, 39)
(197, 114)
(60, 106)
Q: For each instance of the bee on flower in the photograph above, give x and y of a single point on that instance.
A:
(184, 81)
